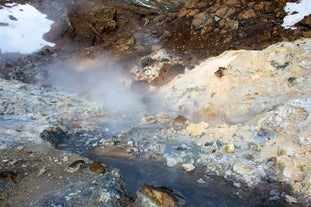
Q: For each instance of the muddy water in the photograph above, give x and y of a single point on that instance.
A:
(209, 191)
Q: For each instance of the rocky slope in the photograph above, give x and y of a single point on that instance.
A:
(244, 115)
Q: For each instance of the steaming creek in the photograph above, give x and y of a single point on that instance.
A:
(198, 188)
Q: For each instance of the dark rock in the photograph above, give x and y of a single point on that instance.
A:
(55, 136)
(3, 24)
(145, 61)
(11, 17)
(279, 66)
(292, 81)
(8, 174)
(220, 72)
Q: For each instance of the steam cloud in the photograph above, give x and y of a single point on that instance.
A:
(101, 80)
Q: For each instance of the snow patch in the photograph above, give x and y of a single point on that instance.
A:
(296, 11)
(22, 29)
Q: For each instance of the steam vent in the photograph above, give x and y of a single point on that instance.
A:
(155, 103)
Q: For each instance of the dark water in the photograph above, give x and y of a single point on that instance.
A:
(216, 191)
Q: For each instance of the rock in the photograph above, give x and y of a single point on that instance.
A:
(75, 166)
(288, 198)
(102, 19)
(97, 167)
(247, 14)
(151, 196)
(197, 129)
(54, 135)
(8, 174)
(220, 72)
(229, 148)
(221, 12)
(112, 151)
(199, 21)
(274, 195)
(271, 162)
(189, 167)
(232, 2)
(243, 169)
(179, 120)
(306, 21)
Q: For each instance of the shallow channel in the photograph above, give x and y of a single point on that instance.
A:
(209, 191)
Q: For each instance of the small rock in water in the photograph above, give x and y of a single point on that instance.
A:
(200, 180)
(150, 196)
(188, 167)
(75, 166)
(97, 167)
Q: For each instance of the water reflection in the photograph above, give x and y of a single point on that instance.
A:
(22, 28)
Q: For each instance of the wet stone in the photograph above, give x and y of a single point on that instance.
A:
(75, 166)
(97, 167)
(152, 196)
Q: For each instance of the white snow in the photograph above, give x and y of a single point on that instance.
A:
(296, 12)
(22, 29)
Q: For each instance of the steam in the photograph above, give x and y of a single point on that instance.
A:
(101, 81)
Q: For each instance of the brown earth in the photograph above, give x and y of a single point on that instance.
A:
(193, 31)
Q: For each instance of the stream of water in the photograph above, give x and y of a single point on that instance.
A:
(198, 189)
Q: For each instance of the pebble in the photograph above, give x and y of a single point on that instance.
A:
(65, 159)
(189, 167)
(200, 180)
(42, 171)
(229, 148)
